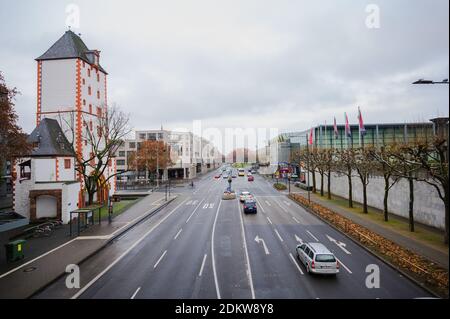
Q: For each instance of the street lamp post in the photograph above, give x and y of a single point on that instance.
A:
(422, 81)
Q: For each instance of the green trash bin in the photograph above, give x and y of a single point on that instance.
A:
(14, 250)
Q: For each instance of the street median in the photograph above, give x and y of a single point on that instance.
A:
(418, 268)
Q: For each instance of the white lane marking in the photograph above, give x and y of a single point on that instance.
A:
(249, 269)
(195, 202)
(278, 234)
(296, 264)
(189, 203)
(340, 244)
(160, 258)
(268, 203)
(135, 293)
(260, 240)
(269, 220)
(82, 290)
(211, 205)
(262, 208)
(296, 220)
(309, 233)
(187, 221)
(216, 282)
(342, 264)
(178, 234)
(287, 203)
(298, 239)
(203, 265)
(282, 207)
(205, 206)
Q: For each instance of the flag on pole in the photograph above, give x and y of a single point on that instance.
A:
(348, 132)
(336, 132)
(310, 142)
(362, 129)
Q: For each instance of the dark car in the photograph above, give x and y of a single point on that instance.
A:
(250, 207)
(251, 178)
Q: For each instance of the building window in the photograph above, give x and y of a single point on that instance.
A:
(84, 81)
(132, 145)
(89, 72)
(109, 162)
(99, 111)
(98, 77)
(84, 64)
(67, 163)
(84, 102)
(122, 153)
(98, 94)
(90, 108)
(89, 90)
(90, 125)
(121, 162)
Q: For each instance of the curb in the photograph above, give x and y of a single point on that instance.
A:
(403, 273)
(109, 241)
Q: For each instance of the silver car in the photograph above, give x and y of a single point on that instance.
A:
(317, 259)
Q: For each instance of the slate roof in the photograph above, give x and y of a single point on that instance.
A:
(51, 140)
(69, 46)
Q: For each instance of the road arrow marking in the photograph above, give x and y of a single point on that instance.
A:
(259, 240)
(298, 239)
(341, 245)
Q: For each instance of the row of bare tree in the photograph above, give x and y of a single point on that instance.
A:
(423, 161)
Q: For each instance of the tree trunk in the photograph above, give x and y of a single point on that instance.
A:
(314, 181)
(411, 204)
(321, 184)
(350, 191)
(447, 206)
(90, 198)
(385, 201)
(365, 210)
(329, 185)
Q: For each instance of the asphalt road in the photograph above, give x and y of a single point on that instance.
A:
(201, 246)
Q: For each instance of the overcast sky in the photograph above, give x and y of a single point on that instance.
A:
(281, 64)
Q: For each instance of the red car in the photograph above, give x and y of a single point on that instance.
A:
(251, 178)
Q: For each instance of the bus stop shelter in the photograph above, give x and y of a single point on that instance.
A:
(86, 214)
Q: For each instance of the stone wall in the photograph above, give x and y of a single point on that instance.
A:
(428, 207)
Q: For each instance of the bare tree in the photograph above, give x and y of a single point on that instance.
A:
(364, 164)
(387, 164)
(345, 159)
(103, 136)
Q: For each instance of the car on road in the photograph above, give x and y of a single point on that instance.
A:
(253, 171)
(234, 176)
(243, 196)
(317, 259)
(224, 176)
(250, 206)
(241, 172)
(250, 178)
(217, 176)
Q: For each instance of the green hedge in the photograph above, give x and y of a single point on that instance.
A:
(280, 187)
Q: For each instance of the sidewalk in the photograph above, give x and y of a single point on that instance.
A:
(439, 255)
(42, 266)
